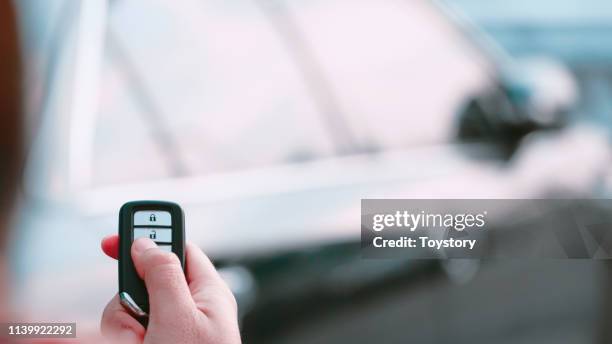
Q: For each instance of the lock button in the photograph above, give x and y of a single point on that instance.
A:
(152, 218)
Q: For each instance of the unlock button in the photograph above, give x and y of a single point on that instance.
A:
(159, 235)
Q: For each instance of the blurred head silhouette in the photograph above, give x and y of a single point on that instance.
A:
(10, 131)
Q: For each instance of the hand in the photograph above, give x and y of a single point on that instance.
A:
(196, 309)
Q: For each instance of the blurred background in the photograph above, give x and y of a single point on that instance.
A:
(269, 121)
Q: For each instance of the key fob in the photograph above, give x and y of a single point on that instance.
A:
(162, 222)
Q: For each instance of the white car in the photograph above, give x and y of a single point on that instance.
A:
(266, 123)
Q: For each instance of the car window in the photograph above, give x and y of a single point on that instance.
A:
(201, 87)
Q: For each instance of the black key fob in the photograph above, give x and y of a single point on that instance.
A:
(162, 222)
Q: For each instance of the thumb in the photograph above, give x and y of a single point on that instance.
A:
(169, 296)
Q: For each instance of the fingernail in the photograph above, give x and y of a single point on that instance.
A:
(142, 244)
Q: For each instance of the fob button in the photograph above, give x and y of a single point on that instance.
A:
(152, 218)
(159, 235)
(167, 248)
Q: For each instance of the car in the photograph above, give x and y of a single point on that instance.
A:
(268, 123)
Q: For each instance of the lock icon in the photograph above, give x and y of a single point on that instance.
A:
(152, 218)
(153, 235)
